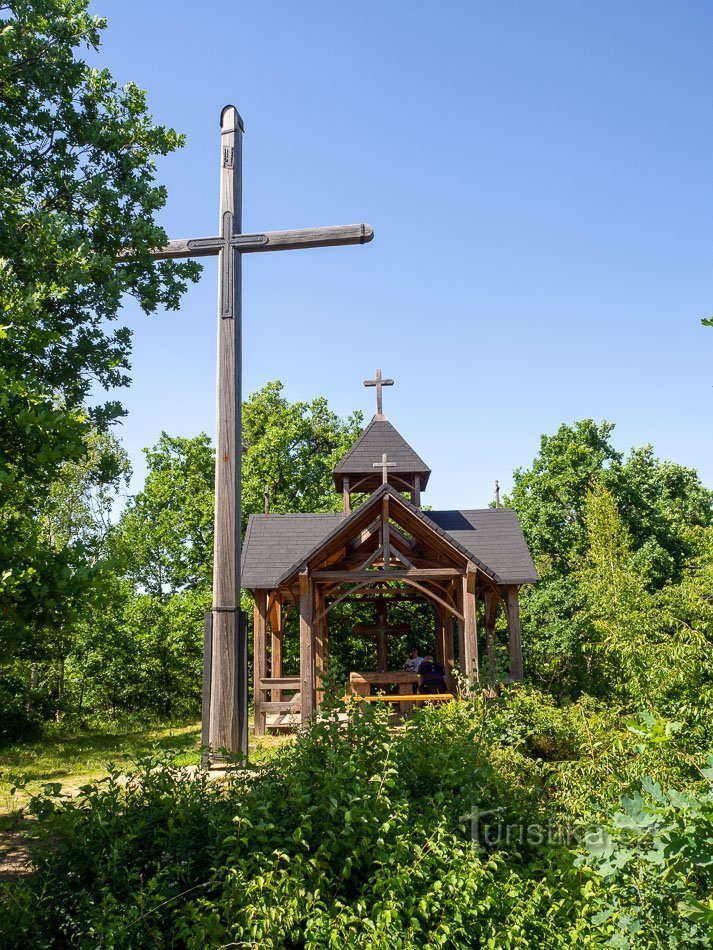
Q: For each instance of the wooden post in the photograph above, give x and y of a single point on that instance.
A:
(416, 493)
(491, 598)
(306, 648)
(319, 645)
(512, 609)
(448, 658)
(460, 625)
(471, 628)
(345, 496)
(224, 729)
(385, 532)
(259, 657)
(275, 615)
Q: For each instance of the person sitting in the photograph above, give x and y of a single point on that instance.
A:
(414, 660)
(431, 676)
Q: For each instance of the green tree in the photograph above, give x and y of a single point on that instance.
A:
(659, 503)
(164, 539)
(78, 186)
(290, 450)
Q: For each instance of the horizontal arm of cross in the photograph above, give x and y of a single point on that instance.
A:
(269, 241)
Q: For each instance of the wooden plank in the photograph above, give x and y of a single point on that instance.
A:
(259, 655)
(416, 494)
(306, 648)
(403, 698)
(512, 609)
(224, 728)
(287, 706)
(389, 677)
(425, 573)
(470, 632)
(279, 682)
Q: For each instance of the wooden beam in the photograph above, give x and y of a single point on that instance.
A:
(425, 573)
(385, 534)
(491, 599)
(416, 493)
(345, 496)
(276, 634)
(470, 626)
(340, 235)
(512, 610)
(306, 648)
(259, 657)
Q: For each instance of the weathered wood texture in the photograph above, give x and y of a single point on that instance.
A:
(226, 572)
(306, 648)
(276, 634)
(470, 632)
(492, 602)
(205, 710)
(339, 235)
(259, 655)
(512, 609)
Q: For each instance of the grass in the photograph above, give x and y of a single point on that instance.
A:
(73, 757)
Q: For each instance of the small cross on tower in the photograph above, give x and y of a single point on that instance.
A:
(379, 382)
(384, 465)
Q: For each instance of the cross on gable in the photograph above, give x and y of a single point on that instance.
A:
(379, 383)
(384, 465)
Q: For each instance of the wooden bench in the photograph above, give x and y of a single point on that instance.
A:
(400, 698)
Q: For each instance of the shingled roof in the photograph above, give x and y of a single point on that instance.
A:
(495, 537)
(379, 437)
(274, 544)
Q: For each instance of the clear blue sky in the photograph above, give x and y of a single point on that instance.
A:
(540, 180)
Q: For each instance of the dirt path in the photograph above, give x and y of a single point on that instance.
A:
(14, 852)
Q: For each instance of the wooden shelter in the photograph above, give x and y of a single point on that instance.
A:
(386, 548)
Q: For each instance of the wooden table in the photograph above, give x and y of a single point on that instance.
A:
(361, 683)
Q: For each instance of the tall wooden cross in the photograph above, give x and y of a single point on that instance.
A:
(230, 245)
(384, 465)
(379, 383)
(382, 630)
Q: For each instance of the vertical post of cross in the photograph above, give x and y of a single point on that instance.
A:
(224, 712)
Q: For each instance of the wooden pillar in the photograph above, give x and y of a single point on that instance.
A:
(259, 657)
(275, 615)
(491, 598)
(416, 493)
(306, 647)
(460, 625)
(345, 495)
(320, 644)
(512, 609)
(470, 624)
(385, 532)
(448, 658)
